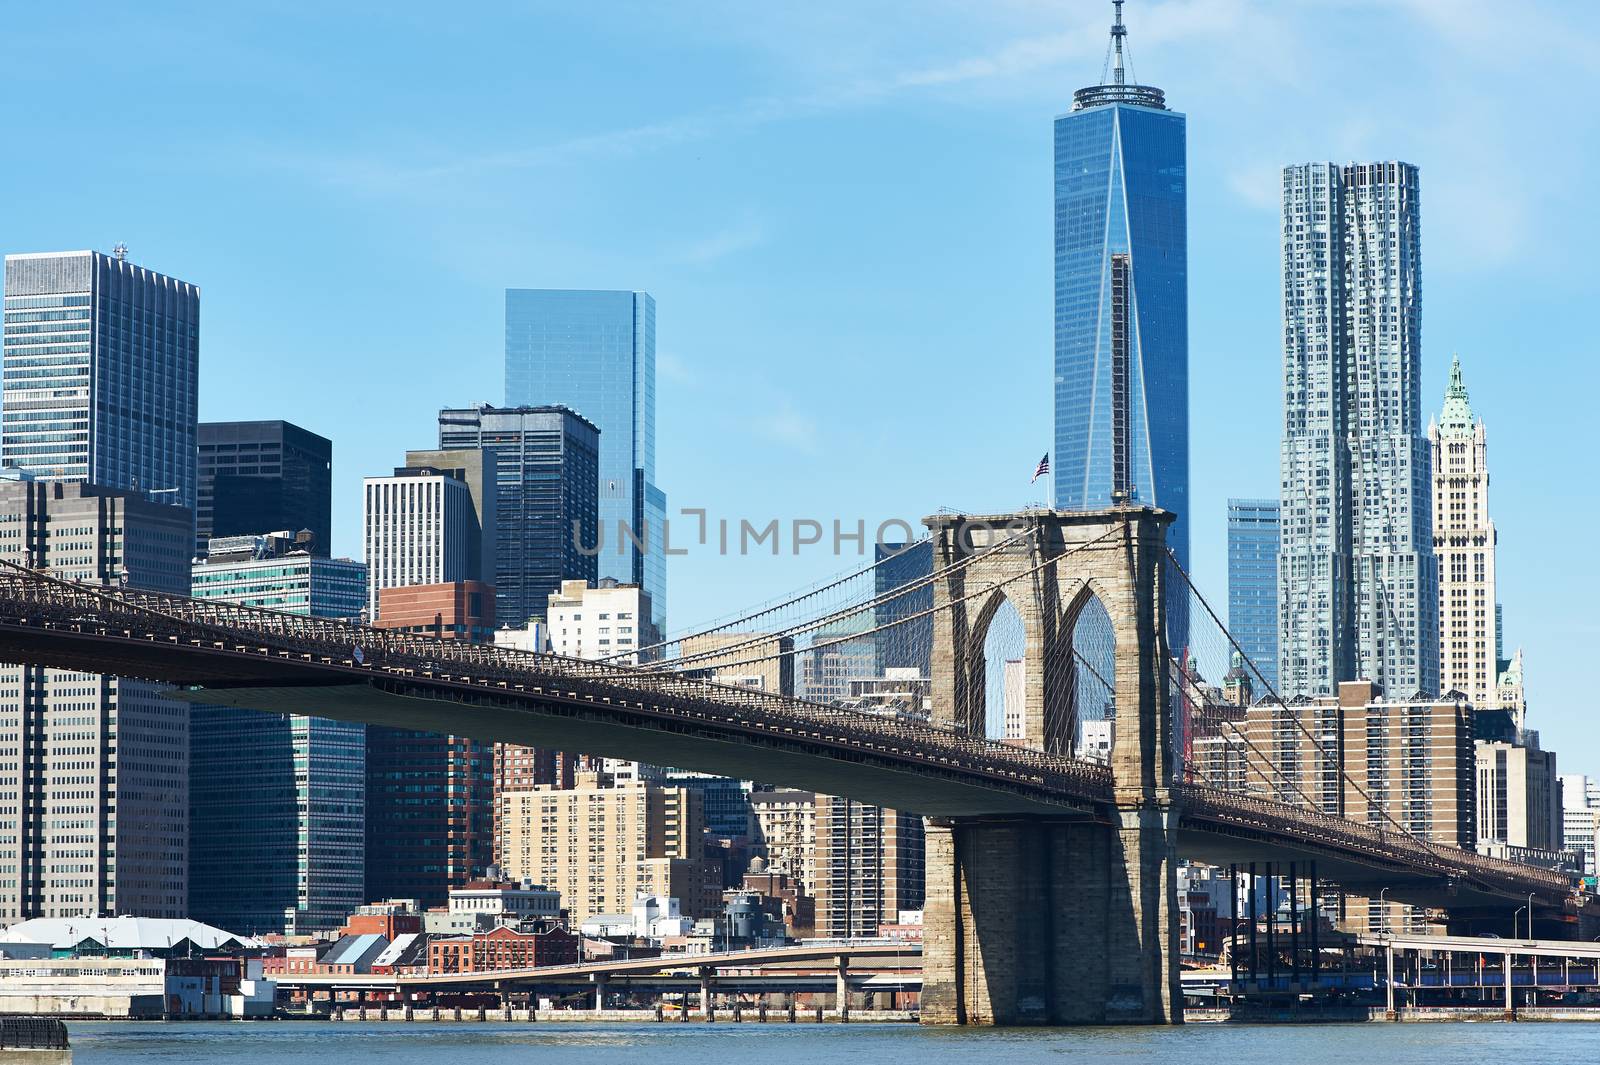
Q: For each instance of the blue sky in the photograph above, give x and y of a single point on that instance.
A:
(843, 211)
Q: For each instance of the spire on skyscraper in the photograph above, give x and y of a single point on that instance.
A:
(1115, 84)
(1456, 418)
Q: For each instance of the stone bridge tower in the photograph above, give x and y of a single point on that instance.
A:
(1056, 921)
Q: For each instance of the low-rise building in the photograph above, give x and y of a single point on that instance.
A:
(147, 988)
(502, 948)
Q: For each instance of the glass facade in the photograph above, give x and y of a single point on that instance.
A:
(1121, 311)
(278, 802)
(1253, 582)
(595, 351)
(1358, 581)
(101, 374)
(546, 469)
(261, 477)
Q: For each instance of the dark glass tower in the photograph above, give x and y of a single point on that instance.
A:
(261, 477)
(1122, 343)
(546, 468)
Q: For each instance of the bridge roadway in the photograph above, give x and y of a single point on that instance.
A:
(288, 663)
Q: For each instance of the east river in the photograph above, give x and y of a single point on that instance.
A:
(352, 1043)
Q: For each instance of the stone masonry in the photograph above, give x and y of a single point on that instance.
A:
(1034, 921)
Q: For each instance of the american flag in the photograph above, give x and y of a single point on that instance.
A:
(1044, 467)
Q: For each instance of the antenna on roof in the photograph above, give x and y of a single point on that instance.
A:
(1118, 32)
(120, 252)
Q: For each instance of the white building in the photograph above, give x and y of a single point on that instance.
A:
(419, 527)
(1464, 543)
(1580, 811)
(609, 621)
(535, 637)
(480, 905)
(1519, 804)
(1014, 694)
(1095, 739)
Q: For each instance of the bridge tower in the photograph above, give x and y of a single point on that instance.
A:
(1037, 921)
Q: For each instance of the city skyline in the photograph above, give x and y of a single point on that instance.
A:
(805, 431)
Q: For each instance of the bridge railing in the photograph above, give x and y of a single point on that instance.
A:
(384, 651)
(1375, 840)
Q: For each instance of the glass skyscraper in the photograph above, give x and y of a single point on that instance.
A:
(1253, 583)
(545, 462)
(261, 477)
(1358, 581)
(277, 801)
(595, 351)
(102, 363)
(1122, 317)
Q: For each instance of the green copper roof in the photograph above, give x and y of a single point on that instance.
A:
(1457, 414)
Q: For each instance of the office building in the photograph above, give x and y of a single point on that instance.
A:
(94, 776)
(1580, 813)
(611, 621)
(868, 867)
(102, 363)
(419, 528)
(1013, 701)
(1464, 545)
(264, 475)
(595, 351)
(545, 462)
(909, 643)
(1518, 797)
(278, 801)
(1358, 584)
(742, 659)
(463, 610)
(1253, 583)
(724, 801)
(604, 844)
(430, 796)
(474, 468)
(1121, 307)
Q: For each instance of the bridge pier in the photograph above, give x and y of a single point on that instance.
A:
(1043, 923)
(1032, 921)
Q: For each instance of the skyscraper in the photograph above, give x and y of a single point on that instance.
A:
(261, 477)
(420, 528)
(595, 351)
(102, 365)
(94, 804)
(1122, 310)
(1358, 584)
(1253, 582)
(277, 801)
(546, 462)
(909, 644)
(1464, 543)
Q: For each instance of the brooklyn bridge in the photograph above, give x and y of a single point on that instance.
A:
(1051, 880)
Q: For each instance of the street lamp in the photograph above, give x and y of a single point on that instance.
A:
(1530, 916)
(1518, 910)
(1383, 914)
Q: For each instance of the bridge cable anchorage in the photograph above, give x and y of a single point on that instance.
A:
(767, 639)
(774, 605)
(720, 655)
(1454, 859)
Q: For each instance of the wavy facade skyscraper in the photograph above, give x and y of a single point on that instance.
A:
(1357, 578)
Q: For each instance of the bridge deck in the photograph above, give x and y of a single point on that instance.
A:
(292, 663)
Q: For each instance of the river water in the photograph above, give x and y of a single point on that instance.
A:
(352, 1043)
